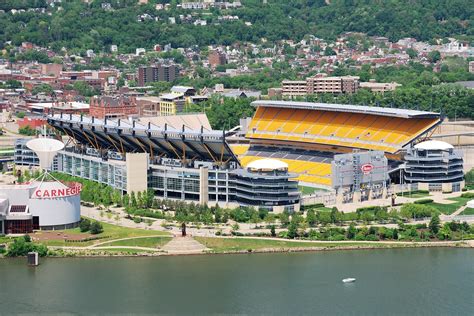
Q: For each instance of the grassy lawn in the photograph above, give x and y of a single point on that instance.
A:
(323, 209)
(239, 244)
(149, 242)
(452, 207)
(120, 250)
(468, 211)
(413, 194)
(110, 232)
(305, 190)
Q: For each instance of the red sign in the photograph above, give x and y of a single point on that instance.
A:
(367, 168)
(74, 189)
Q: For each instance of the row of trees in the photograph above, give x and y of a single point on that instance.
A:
(298, 228)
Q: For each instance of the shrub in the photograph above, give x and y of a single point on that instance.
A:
(312, 206)
(85, 225)
(468, 195)
(417, 211)
(96, 228)
(21, 247)
(27, 238)
(371, 238)
(367, 208)
(424, 201)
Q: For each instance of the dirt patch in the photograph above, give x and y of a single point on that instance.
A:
(43, 236)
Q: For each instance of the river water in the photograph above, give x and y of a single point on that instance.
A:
(425, 281)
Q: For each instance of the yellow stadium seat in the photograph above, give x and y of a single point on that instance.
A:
(356, 130)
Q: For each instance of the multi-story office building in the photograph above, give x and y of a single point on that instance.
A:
(293, 88)
(171, 103)
(435, 166)
(160, 72)
(323, 84)
(320, 84)
(23, 155)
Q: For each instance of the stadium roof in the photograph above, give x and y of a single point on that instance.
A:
(133, 136)
(192, 121)
(374, 110)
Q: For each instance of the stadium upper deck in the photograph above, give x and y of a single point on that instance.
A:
(336, 125)
(131, 136)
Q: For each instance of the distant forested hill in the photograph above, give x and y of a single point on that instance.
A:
(89, 26)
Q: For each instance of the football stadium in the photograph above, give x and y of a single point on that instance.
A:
(350, 152)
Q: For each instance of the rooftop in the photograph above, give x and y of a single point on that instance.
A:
(434, 145)
(373, 110)
(267, 164)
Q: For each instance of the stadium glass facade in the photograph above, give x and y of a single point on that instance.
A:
(202, 181)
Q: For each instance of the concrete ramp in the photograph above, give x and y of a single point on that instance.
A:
(184, 245)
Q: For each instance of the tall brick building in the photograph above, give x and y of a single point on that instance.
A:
(113, 106)
(51, 69)
(156, 73)
(323, 84)
(320, 84)
(216, 58)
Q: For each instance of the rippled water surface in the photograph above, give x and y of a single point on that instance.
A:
(401, 281)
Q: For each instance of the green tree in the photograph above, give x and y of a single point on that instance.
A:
(133, 200)
(235, 227)
(272, 231)
(284, 218)
(351, 231)
(445, 233)
(84, 89)
(13, 84)
(85, 225)
(43, 88)
(27, 130)
(311, 218)
(96, 228)
(329, 51)
(434, 224)
(292, 230)
(434, 56)
(412, 53)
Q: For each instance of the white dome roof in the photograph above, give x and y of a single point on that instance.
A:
(267, 164)
(434, 145)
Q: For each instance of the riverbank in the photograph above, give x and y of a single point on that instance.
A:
(239, 245)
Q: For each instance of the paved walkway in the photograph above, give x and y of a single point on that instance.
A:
(459, 211)
(184, 245)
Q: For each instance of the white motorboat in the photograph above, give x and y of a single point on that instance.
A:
(348, 280)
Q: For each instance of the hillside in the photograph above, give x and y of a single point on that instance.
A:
(77, 25)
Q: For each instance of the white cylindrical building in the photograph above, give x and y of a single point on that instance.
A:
(435, 166)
